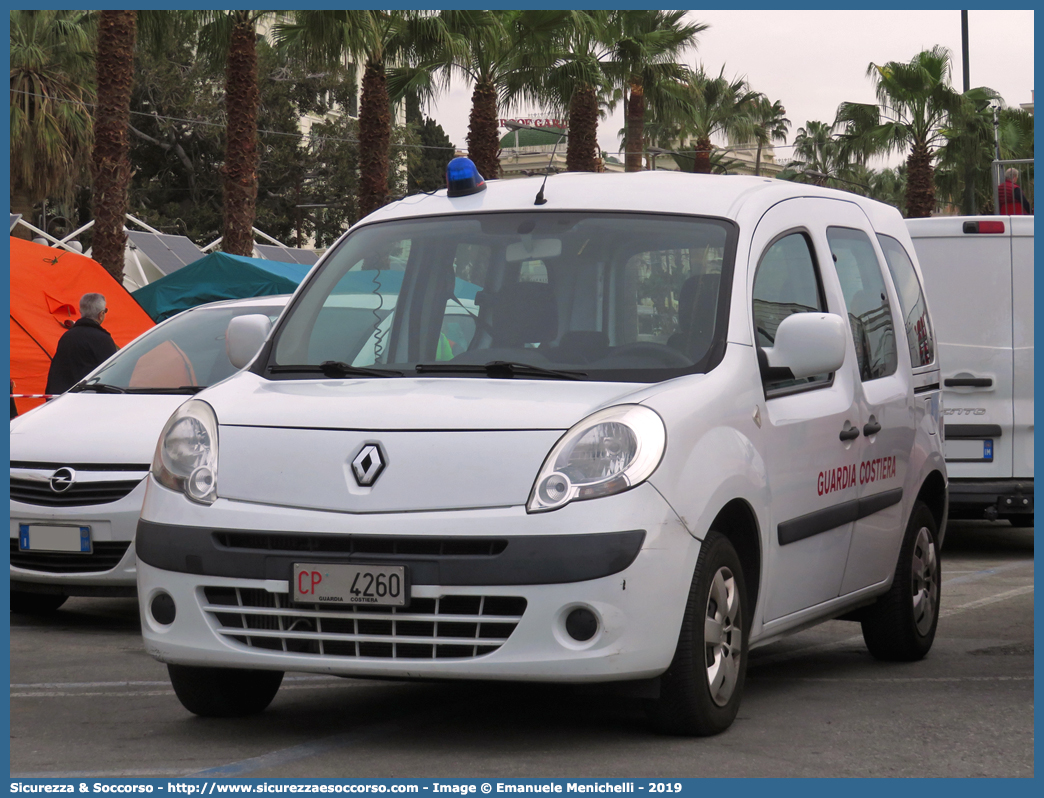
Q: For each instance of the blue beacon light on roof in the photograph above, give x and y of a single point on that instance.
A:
(463, 178)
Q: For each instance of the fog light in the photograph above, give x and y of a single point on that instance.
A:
(581, 624)
(163, 609)
(554, 488)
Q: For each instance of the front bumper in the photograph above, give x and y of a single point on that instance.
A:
(511, 627)
(108, 571)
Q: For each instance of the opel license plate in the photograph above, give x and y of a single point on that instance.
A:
(361, 585)
(44, 537)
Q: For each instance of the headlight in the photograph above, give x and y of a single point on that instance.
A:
(186, 456)
(606, 453)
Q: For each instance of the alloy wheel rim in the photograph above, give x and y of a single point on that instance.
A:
(925, 579)
(723, 636)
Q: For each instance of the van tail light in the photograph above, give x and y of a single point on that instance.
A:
(984, 227)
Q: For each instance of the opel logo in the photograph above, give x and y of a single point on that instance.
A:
(368, 465)
(62, 480)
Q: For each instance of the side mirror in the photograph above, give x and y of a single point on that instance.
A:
(244, 338)
(808, 344)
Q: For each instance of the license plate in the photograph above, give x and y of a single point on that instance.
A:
(970, 450)
(40, 537)
(341, 584)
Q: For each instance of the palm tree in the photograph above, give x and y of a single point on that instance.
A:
(915, 100)
(720, 106)
(51, 87)
(770, 124)
(379, 39)
(962, 173)
(568, 74)
(646, 47)
(111, 163)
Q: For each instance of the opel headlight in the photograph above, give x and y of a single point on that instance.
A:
(186, 456)
(606, 453)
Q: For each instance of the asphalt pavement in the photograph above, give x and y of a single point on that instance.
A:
(86, 701)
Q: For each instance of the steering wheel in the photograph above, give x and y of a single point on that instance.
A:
(661, 353)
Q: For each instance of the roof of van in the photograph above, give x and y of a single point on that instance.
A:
(728, 196)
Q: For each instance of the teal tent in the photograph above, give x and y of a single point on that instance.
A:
(218, 276)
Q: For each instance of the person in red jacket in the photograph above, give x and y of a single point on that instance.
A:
(1012, 201)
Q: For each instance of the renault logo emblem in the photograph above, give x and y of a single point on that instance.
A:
(368, 465)
(62, 480)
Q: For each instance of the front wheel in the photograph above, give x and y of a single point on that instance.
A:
(901, 625)
(700, 692)
(224, 692)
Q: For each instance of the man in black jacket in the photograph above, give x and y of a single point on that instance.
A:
(85, 346)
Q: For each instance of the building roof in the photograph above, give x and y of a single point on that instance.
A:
(531, 138)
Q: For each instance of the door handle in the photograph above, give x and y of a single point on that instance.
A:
(871, 428)
(968, 382)
(849, 434)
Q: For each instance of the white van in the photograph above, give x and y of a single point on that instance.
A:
(687, 415)
(978, 273)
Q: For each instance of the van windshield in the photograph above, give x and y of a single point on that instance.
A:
(600, 296)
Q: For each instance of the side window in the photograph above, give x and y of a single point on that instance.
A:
(785, 283)
(919, 335)
(863, 286)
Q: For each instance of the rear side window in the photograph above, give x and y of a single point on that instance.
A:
(919, 335)
(863, 285)
(786, 283)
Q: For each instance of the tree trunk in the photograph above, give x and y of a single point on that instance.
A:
(374, 138)
(582, 148)
(111, 164)
(757, 161)
(701, 157)
(240, 170)
(920, 183)
(22, 204)
(635, 126)
(483, 141)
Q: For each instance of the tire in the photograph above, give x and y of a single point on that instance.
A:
(700, 692)
(35, 603)
(224, 692)
(900, 626)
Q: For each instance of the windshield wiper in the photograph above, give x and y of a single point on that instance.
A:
(187, 389)
(96, 387)
(499, 368)
(335, 368)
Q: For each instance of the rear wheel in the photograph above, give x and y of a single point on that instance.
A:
(224, 692)
(901, 625)
(35, 603)
(700, 692)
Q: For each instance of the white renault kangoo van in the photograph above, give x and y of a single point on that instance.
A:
(619, 428)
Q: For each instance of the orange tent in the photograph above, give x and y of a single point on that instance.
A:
(46, 286)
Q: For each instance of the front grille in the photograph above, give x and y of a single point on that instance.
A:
(449, 627)
(362, 544)
(81, 494)
(106, 556)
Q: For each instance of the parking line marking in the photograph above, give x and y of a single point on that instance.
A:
(975, 576)
(848, 641)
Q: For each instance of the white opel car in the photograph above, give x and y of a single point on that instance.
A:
(79, 462)
(688, 416)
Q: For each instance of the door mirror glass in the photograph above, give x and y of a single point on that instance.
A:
(808, 344)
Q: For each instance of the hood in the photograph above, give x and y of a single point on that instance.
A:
(93, 428)
(423, 403)
(443, 443)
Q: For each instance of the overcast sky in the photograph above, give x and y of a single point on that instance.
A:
(813, 60)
